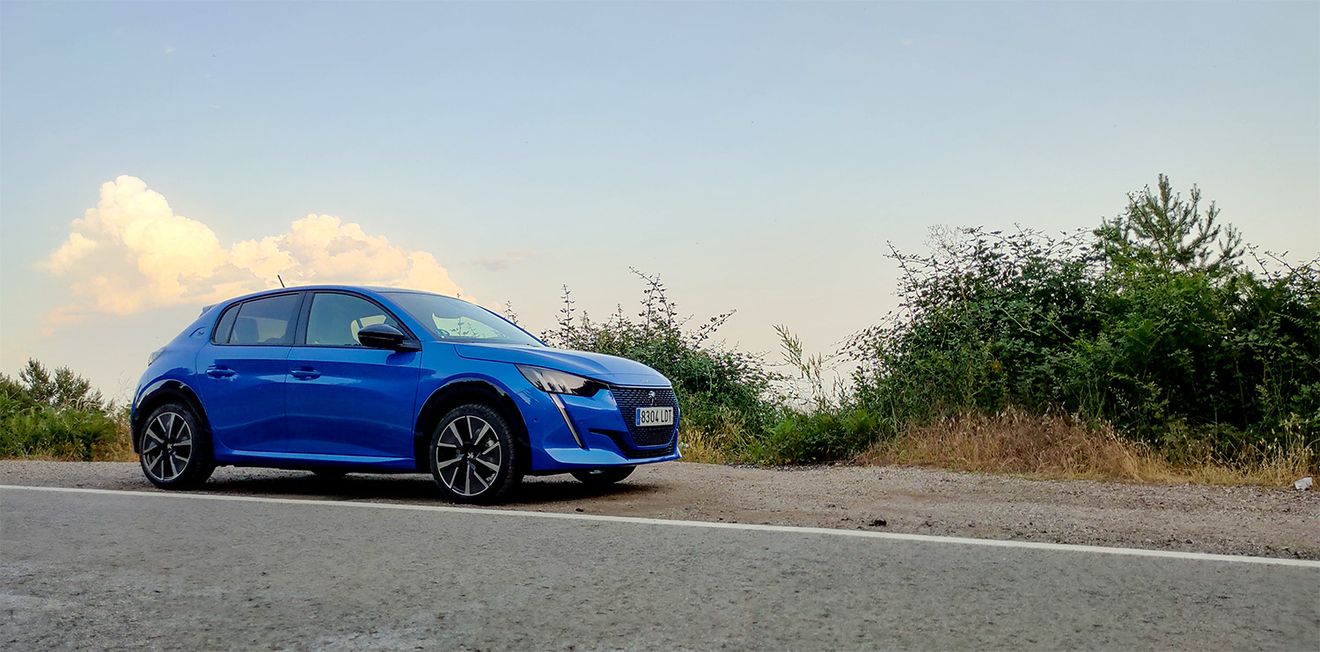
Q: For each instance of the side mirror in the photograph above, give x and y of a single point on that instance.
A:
(384, 336)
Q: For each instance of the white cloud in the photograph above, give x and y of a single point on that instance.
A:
(132, 252)
(76, 247)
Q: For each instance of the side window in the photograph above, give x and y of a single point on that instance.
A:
(225, 326)
(267, 321)
(335, 319)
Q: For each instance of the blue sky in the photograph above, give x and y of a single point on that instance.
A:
(757, 156)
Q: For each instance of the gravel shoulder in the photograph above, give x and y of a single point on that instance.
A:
(1230, 520)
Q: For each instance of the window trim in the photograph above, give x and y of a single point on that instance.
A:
(305, 313)
(237, 305)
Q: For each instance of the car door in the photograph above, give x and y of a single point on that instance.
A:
(344, 398)
(243, 370)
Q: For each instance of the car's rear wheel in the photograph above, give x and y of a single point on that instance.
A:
(473, 455)
(175, 449)
(604, 477)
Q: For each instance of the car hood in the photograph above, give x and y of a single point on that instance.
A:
(607, 368)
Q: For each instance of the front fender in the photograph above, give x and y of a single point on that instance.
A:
(541, 421)
(160, 388)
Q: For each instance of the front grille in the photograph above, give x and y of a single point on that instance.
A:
(631, 398)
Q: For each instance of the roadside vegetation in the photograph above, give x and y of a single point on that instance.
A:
(1156, 347)
(58, 415)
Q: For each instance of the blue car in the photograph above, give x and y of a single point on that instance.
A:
(338, 379)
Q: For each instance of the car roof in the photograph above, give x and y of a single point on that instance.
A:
(370, 290)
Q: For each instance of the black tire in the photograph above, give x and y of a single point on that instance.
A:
(172, 437)
(466, 464)
(604, 477)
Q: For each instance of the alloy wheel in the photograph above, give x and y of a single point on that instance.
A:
(468, 456)
(167, 446)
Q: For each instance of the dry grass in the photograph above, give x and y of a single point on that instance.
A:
(701, 446)
(1058, 446)
(119, 449)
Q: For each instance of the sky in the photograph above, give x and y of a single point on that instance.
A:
(155, 158)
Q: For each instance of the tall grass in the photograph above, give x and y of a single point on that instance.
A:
(1064, 446)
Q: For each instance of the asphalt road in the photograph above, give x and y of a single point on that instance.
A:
(187, 571)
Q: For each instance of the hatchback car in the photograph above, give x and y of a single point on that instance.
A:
(337, 379)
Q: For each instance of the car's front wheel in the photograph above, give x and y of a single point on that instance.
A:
(175, 451)
(473, 455)
(604, 477)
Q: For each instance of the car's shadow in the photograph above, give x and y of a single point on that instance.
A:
(415, 488)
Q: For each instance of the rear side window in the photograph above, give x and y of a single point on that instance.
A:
(225, 326)
(268, 322)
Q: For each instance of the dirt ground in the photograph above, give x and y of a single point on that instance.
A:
(1234, 520)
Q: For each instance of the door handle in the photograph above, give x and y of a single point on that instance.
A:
(220, 372)
(305, 373)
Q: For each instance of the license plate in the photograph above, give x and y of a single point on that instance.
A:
(655, 416)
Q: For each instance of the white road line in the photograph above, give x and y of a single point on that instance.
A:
(787, 529)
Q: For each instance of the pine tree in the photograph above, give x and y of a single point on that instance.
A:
(1160, 229)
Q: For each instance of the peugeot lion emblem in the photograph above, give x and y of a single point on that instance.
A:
(651, 395)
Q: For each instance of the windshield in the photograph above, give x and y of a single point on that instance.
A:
(455, 320)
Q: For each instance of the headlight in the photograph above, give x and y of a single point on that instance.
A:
(558, 382)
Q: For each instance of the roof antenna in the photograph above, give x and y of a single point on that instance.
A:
(281, 280)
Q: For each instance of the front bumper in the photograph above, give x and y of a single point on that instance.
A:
(599, 426)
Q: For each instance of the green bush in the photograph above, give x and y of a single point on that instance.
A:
(57, 415)
(1152, 323)
(817, 436)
